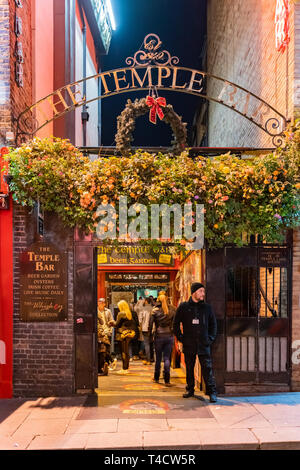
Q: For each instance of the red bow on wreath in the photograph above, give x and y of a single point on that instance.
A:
(155, 105)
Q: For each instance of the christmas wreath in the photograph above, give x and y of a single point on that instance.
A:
(155, 107)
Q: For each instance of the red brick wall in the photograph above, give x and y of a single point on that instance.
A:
(297, 55)
(5, 118)
(296, 314)
(43, 358)
(14, 99)
(241, 48)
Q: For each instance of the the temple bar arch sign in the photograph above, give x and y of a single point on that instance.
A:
(154, 69)
(43, 293)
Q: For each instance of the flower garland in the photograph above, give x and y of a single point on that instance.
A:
(133, 110)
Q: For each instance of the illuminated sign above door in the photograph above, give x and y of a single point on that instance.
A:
(135, 255)
(144, 277)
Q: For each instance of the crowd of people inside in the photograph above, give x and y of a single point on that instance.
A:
(147, 330)
(143, 332)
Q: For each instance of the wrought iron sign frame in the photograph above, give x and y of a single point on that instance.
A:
(160, 65)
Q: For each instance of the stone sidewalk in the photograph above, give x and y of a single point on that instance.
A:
(259, 422)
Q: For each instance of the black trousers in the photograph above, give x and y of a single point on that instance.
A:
(151, 349)
(124, 346)
(103, 356)
(135, 346)
(206, 369)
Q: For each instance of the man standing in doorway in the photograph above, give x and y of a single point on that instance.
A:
(199, 330)
(105, 328)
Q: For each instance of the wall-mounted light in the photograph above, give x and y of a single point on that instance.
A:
(4, 180)
(9, 137)
(111, 14)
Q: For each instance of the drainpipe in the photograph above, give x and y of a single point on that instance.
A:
(99, 109)
(84, 114)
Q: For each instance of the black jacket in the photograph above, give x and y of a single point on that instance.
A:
(198, 336)
(137, 325)
(163, 323)
(122, 323)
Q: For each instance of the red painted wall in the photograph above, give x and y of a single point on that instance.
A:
(59, 79)
(43, 56)
(6, 301)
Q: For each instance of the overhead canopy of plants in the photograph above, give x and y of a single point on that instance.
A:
(240, 196)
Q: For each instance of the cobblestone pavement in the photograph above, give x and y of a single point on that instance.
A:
(131, 412)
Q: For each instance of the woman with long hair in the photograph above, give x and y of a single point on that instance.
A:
(125, 331)
(162, 317)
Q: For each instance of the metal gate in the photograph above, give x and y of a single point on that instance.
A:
(258, 286)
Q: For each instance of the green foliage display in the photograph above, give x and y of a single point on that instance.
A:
(251, 196)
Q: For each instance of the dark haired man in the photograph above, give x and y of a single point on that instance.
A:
(199, 330)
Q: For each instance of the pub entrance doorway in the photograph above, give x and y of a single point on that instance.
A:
(132, 286)
(97, 277)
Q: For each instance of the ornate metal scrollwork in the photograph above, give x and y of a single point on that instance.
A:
(272, 123)
(277, 137)
(277, 140)
(152, 54)
(26, 127)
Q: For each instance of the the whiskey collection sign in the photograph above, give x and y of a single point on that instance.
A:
(43, 296)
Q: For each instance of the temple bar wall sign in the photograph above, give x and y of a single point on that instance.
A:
(153, 69)
(44, 291)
